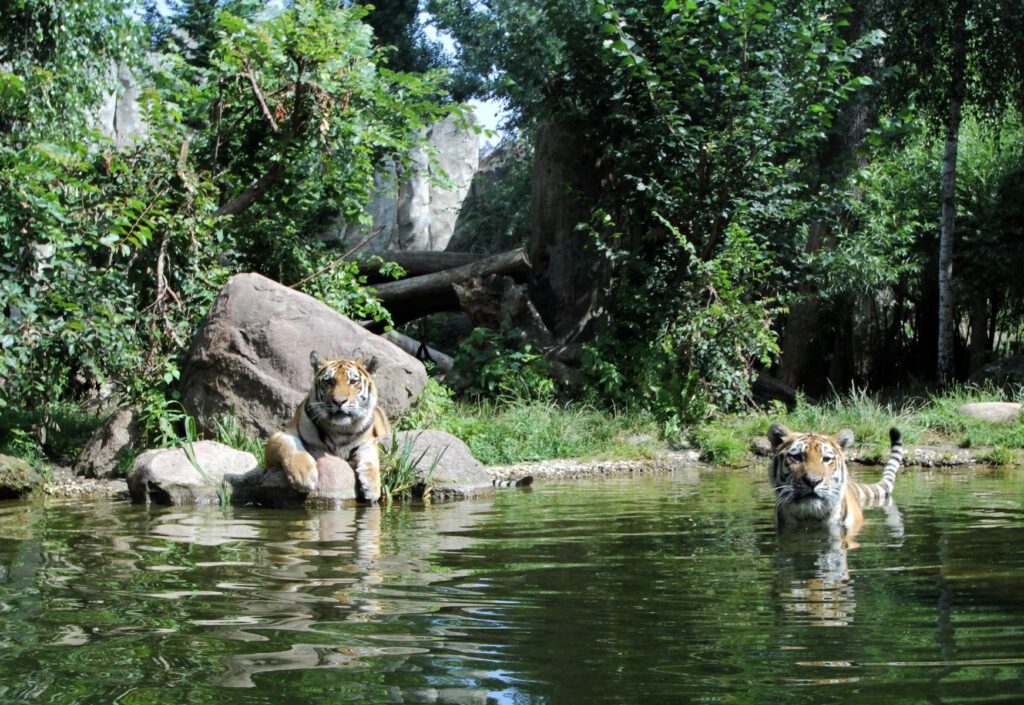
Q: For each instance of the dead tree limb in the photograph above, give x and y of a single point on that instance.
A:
(412, 346)
(440, 283)
(253, 192)
(415, 297)
(414, 263)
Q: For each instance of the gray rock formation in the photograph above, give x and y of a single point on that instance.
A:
(250, 357)
(17, 477)
(118, 436)
(457, 474)
(120, 115)
(994, 411)
(167, 476)
(409, 211)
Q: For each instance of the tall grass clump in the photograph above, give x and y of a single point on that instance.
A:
(402, 468)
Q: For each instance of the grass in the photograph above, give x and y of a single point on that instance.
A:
(510, 431)
(400, 469)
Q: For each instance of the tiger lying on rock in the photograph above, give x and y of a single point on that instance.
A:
(812, 481)
(340, 416)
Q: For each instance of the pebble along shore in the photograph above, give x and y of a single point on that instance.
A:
(553, 470)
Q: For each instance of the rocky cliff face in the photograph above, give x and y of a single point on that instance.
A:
(120, 115)
(411, 212)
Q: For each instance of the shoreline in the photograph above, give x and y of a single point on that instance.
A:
(64, 484)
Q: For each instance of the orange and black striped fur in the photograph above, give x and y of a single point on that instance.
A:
(339, 416)
(812, 481)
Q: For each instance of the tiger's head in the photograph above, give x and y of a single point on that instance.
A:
(343, 393)
(808, 471)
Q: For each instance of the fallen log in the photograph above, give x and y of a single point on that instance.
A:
(413, 262)
(413, 347)
(412, 298)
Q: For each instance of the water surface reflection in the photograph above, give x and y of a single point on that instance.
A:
(668, 589)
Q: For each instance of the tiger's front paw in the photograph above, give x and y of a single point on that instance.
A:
(301, 472)
(369, 484)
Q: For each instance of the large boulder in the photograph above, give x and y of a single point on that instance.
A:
(17, 477)
(446, 468)
(168, 476)
(112, 442)
(250, 358)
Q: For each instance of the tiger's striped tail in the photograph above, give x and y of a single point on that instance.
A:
(521, 482)
(883, 488)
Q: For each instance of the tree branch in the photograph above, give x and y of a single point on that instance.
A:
(253, 192)
(259, 97)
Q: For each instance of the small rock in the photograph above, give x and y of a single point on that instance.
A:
(761, 446)
(166, 476)
(335, 487)
(112, 441)
(17, 477)
(994, 411)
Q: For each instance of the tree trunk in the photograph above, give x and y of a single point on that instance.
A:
(944, 367)
(569, 277)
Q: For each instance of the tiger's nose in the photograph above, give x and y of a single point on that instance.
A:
(339, 401)
(812, 481)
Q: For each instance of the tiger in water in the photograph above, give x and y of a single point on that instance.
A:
(812, 481)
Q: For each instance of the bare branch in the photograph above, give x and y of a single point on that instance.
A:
(259, 97)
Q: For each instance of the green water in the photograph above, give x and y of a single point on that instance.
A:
(671, 589)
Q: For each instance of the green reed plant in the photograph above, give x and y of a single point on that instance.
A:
(402, 469)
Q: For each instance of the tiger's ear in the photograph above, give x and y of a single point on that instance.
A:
(370, 363)
(844, 438)
(777, 435)
(315, 361)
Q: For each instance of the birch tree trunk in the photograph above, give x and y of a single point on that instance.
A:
(947, 230)
(958, 67)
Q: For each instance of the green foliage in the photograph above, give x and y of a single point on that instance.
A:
(435, 403)
(55, 63)
(54, 433)
(703, 357)
(503, 364)
(704, 120)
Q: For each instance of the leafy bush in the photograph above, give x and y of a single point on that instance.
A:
(502, 363)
